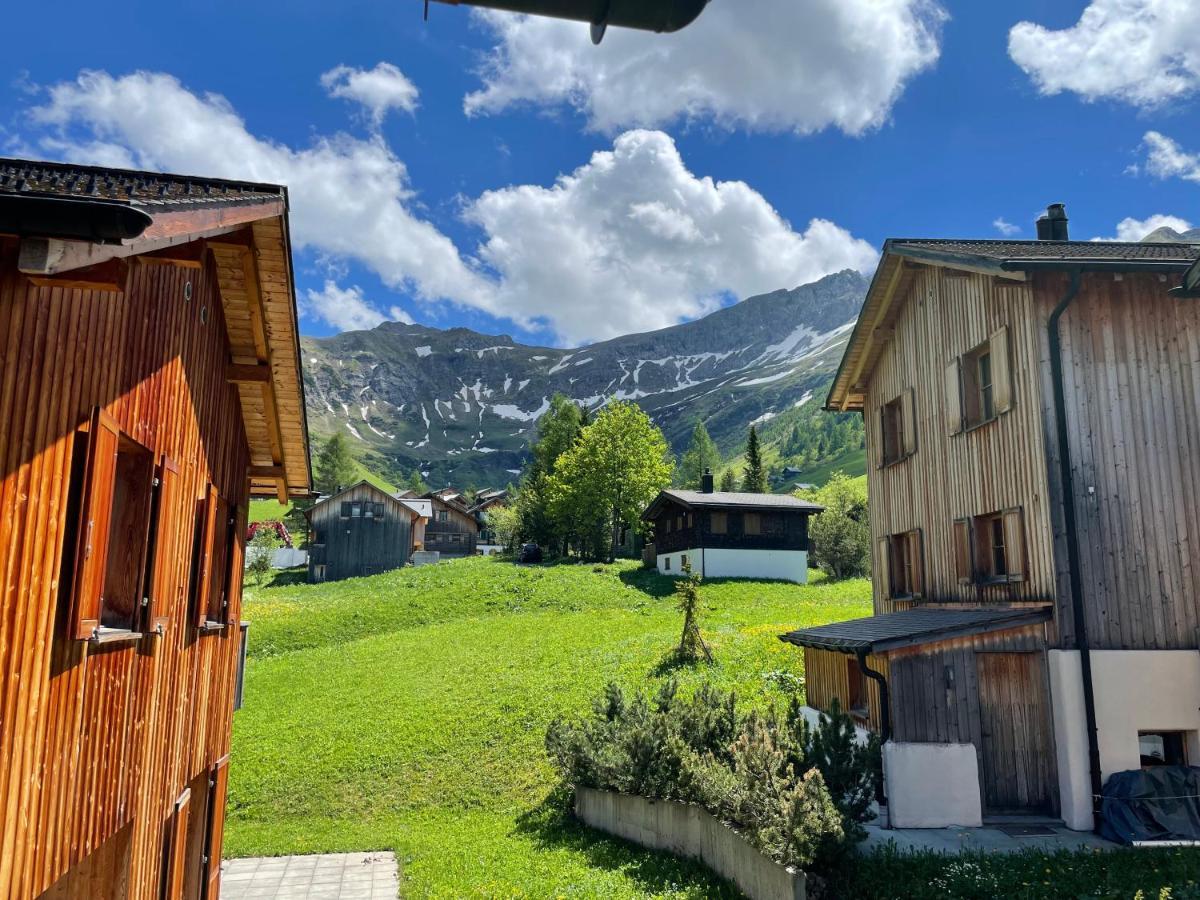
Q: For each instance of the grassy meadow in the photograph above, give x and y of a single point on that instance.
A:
(407, 711)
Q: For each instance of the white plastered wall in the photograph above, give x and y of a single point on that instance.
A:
(1135, 690)
(777, 565)
(932, 785)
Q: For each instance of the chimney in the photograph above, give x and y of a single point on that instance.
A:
(706, 481)
(1053, 225)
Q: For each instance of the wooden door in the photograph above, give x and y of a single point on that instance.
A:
(1018, 767)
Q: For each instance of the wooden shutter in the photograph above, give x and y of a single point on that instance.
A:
(176, 847)
(963, 560)
(883, 565)
(1014, 543)
(218, 780)
(91, 555)
(954, 404)
(219, 562)
(235, 563)
(163, 587)
(881, 445)
(1002, 394)
(916, 551)
(908, 420)
(208, 534)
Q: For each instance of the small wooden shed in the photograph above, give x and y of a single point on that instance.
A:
(359, 531)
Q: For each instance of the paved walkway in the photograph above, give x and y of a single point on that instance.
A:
(992, 840)
(332, 876)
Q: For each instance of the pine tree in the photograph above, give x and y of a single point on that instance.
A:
(701, 454)
(728, 481)
(754, 480)
(416, 483)
(335, 466)
(691, 643)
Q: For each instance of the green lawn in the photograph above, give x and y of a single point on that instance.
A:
(407, 712)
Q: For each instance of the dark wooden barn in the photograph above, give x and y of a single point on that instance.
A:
(149, 386)
(359, 531)
(453, 530)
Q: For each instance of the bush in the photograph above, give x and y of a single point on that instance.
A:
(841, 535)
(799, 794)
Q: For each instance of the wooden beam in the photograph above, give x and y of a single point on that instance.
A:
(248, 374)
(281, 488)
(258, 328)
(107, 276)
(267, 472)
(187, 256)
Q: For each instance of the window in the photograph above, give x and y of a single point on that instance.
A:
(216, 559)
(898, 429)
(990, 549)
(679, 523)
(856, 688)
(319, 573)
(667, 526)
(114, 483)
(368, 510)
(345, 509)
(978, 385)
(356, 510)
(752, 523)
(683, 563)
(666, 564)
(902, 560)
(1162, 748)
(718, 523)
(442, 515)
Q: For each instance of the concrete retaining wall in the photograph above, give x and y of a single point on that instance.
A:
(425, 557)
(932, 785)
(687, 830)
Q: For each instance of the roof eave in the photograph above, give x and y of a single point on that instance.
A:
(1027, 616)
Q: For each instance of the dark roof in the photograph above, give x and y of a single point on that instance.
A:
(922, 625)
(1011, 255)
(322, 501)
(731, 500)
(153, 190)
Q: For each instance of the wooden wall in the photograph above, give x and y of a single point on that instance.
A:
(993, 467)
(459, 523)
(360, 546)
(826, 677)
(96, 743)
(778, 530)
(1131, 366)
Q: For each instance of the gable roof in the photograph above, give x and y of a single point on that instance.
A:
(395, 502)
(423, 508)
(729, 500)
(913, 627)
(1013, 260)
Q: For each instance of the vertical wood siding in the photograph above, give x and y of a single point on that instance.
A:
(96, 743)
(996, 466)
(1131, 372)
(826, 677)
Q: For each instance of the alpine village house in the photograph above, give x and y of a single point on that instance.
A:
(730, 535)
(1033, 412)
(360, 530)
(149, 386)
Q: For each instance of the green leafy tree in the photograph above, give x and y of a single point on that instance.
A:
(609, 476)
(728, 481)
(754, 478)
(841, 535)
(416, 483)
(700, 454)
(261, 552)
(691, 642)
(505, 523)
(558, 430)
(335, 466)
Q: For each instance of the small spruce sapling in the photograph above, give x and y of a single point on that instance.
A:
(691, 643)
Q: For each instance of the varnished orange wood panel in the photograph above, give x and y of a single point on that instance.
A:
(97, 742)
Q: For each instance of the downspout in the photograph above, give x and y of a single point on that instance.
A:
(885, 715)
(1072, 534)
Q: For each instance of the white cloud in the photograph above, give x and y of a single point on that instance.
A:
(378, 90)
(634, 241)
(346, 309)
(630, 241)
(762, 65)
(1131, 229)
(1006, 228)
(1165, 158)
(1142, 52)
(349, 197)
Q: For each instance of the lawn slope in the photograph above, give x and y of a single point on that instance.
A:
(407, 712)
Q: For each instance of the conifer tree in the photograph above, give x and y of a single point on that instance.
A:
(700, 455)
(335, 466)
(754, 480)
(728, 481)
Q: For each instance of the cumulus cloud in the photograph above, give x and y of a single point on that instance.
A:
(346, 309)
(634, 241)
(1006, 228)
(349, 197)
(631, 240)
(1165, 158)
(760, 65)
(378, 90)
(1142, 52)
(1131, 229)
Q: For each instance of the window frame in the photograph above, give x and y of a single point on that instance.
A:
(715, 517)
(858, 702)
(756, 518)
(981, 540)
(979, 387)
(891, 438)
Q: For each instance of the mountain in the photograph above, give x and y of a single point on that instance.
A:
(463, 407)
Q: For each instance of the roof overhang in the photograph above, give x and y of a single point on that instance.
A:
(889, 287)
(925, 624)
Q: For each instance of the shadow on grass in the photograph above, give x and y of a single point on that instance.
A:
(552, 826)
(287, 577)
(674, 661)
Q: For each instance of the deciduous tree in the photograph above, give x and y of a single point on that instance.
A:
(701, 454)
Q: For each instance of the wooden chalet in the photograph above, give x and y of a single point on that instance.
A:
(1032, 413)
(722, 534)
(485, 500)
(149, 386)
(453, 530)
(359, 531)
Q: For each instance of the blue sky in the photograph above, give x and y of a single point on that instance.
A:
(424, 169)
